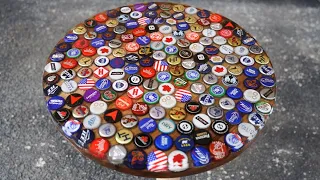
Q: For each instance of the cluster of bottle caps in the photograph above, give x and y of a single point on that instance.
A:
(156, 85)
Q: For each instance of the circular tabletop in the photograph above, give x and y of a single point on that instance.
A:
(159, 89)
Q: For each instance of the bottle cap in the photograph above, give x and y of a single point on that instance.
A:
(185, 127)
(116, 154)
(166, 126)
(200, 156)
(143, 140)
(163, 142)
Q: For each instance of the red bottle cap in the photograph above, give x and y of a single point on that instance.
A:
(124, 103)
(99, 147)
(69, 63)
(139, 32)
(89, 51)
(140, 108)
(218, 149)
(81, 43)
(147, 72)
(215, 18)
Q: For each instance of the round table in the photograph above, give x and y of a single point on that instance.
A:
(159, 89)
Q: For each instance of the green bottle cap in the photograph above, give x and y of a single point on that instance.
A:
(151, 98)
(192, 75)
(217, 91)
(164, 77)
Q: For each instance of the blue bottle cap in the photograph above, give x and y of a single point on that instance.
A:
(73, 53)
(151, 14)
(71, 127)
(109, 35)
(234, 93)
(251, 71)
(178, 15)
(200, 156)
(152, 6)
(236, 149)
(184, 143)
(211, 50)
(140, 7)
(267, 81)
(56, 102)
(163, 142)
(204, 68)
(203, 13)
(233, 117)
(143, 40)
(158, 20)
(100, 28)
(244, 106)
(147, 125)
(117, 62)
(113, 13)
(171, 50)
(249, 41)
(183, 26)
(131, 69)
(57, 56)
(84, 138)
(97, 42)
(103, 84)
(63, 47)
(70, 38)
(234, 141)
(136, 159)
(251, 83)
(131, 24)
(146, 61)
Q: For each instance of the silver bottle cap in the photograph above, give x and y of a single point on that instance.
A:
(231, 59)
(198, 88)
(157, 112)
(107, 130)
(210, 79)
(116, 154)
(268, 93)
(129, 121)
(115, 43)
(215, 112)
(188, 64)
(150, 84)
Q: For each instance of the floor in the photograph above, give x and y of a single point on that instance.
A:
(31, 148)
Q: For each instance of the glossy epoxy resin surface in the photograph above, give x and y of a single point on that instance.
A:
(159, 89)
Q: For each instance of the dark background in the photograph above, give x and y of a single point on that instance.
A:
(31, 147)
